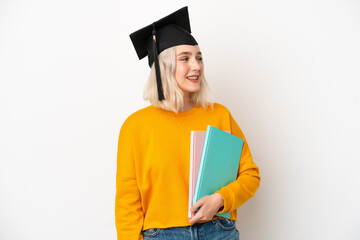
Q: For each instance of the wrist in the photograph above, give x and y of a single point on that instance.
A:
(220, 201)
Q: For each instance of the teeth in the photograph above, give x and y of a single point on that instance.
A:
(193, 78)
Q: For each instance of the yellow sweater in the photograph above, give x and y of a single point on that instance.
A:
(152, 181)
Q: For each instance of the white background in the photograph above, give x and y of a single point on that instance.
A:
(287, 70)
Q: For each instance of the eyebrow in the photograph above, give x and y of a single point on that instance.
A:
(189, 53)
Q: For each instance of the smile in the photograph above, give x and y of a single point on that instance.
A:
(193, 78)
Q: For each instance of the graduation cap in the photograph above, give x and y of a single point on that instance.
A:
(167, 32)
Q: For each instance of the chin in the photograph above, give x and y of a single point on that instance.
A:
(191, 89)
(195, 90)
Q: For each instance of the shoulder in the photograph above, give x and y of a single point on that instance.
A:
(139, 114)
(221, 109)
(137, 117)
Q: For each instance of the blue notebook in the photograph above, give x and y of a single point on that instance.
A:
(219, 163)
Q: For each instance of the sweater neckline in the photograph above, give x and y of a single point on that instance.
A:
(170, 113)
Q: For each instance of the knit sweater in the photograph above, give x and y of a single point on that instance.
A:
(153, 164)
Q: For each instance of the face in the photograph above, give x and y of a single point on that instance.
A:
(189, 68)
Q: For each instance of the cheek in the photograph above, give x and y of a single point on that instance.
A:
(180, 71)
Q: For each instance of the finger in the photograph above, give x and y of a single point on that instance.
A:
(197, 205)
(196, 217)
(194, 209)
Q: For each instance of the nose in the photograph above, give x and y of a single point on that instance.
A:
(196, 65)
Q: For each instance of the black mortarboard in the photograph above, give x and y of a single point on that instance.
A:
(167, 32)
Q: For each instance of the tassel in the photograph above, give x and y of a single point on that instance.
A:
(157, 67)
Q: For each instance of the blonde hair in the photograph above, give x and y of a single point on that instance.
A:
(174, 99)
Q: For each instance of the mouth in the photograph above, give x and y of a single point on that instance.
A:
(193, 78)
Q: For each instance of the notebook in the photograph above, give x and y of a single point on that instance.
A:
(196, 148)
(219, 163)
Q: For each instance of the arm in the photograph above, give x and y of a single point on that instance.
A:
(234, 194)
(128, 211)
(244, 187)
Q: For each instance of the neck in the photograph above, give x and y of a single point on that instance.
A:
(187, 103)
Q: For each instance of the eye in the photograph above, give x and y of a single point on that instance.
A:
(184, 59)
(200, 59)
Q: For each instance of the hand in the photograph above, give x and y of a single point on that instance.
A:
(209, 205)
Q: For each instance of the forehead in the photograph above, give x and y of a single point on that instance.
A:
(187, 48)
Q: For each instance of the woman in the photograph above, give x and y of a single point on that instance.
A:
(154, 145)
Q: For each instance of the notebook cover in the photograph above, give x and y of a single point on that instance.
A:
(196, 148)
(219, 163)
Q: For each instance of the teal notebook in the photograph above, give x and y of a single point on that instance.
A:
(219, 163)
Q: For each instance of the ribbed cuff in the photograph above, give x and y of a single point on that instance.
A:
(228, 199)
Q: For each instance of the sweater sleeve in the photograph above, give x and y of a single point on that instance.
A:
(244, 187)
(128, 211)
